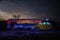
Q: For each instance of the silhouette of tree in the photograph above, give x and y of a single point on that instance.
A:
(16, 16)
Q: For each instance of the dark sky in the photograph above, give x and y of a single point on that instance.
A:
(33, 9)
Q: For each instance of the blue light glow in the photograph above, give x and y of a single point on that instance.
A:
(24, 25)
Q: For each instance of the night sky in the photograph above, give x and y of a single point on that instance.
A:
(29, 9)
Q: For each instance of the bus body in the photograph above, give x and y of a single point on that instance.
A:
(22, 23)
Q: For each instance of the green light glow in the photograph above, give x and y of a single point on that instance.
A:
(45, 23)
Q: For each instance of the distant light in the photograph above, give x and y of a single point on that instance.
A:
(47, 19)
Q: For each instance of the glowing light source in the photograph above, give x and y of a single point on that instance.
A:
(46, 19)
(48, 23)
(45, 23)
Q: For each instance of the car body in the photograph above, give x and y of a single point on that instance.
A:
(45, 25)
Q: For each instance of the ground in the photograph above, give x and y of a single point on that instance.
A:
(29, 35)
